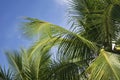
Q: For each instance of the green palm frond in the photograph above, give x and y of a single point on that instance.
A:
(38, 68)
(98, 18)
(15, 60)
(5, 74)
(44, 45)
(57, 35)
(105, 67)
(41, 29)
(65, 70)
(75, 45)
(48, 34)
(25, 68)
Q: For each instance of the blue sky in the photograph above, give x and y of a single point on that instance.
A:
(11, 13)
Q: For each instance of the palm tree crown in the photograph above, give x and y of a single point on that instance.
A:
(83, 53)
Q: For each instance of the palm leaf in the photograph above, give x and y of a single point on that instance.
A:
(47, 33)
(75, 45)
(105, 67)
(38, 68)
(98, 18)
(56, 35)
(34, 68)
(15, 60)
(41, 29)
(5, 75)
(63, 70)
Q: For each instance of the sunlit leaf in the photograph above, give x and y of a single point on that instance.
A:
(105, 67)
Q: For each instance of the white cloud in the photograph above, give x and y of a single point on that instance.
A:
(62, 2)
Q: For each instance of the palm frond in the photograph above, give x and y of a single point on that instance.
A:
(105, 67)
(48, 34)
(25, 68)
(65, 70)
(98, 18)
(5, 74)
(57, 34)
(43, 45)
(74, 45)
(38, 68)
(15, 60)
(41, 29)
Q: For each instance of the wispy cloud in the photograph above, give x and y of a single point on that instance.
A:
(62, 2)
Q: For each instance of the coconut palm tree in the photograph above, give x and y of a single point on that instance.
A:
(84, 52)
(86, 49)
